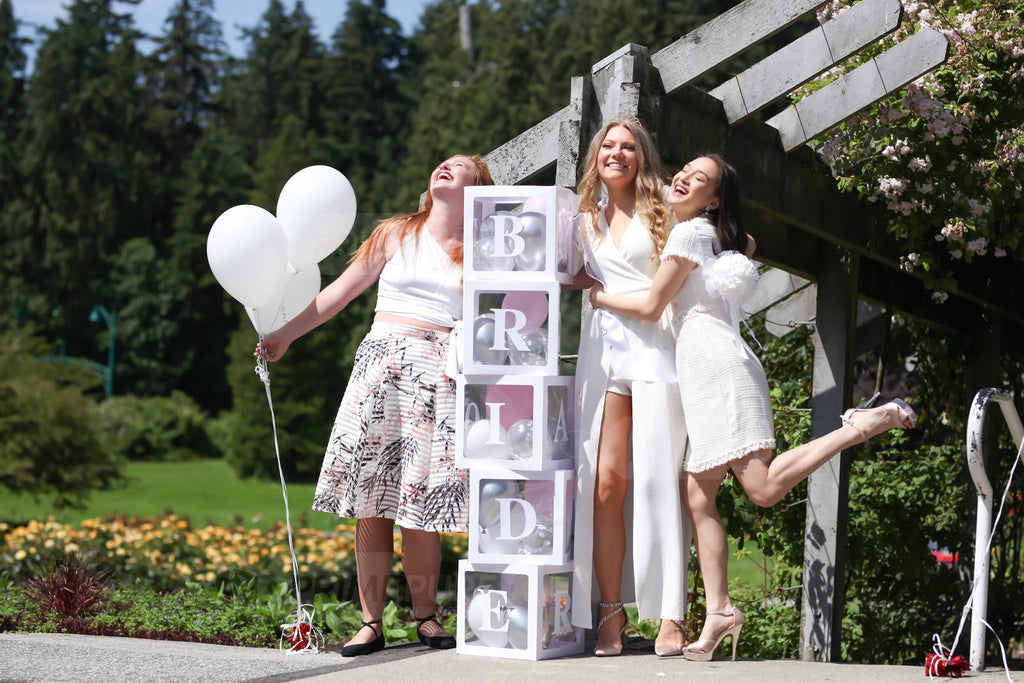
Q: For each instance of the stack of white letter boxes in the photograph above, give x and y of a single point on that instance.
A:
(514, 427)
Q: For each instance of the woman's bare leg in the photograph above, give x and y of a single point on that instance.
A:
(421, 557)
(610, 488)
(700, 492)
(375, 552)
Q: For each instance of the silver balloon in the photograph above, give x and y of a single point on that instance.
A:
(484, 246)
(541, 541)
(485, 259)
(489, 494)
(483, 340)
(532, 256)
(519, 627)
(520, 438)
(536, 352)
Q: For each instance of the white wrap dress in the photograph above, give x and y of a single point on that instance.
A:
(641, 354)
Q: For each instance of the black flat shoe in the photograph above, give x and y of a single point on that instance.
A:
(445, 642)
(375, 645)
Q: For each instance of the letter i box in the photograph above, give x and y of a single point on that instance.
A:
(515, 425)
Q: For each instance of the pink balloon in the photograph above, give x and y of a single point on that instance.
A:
(534, 306)
(541, 495)
(517, 400)
(537, 204)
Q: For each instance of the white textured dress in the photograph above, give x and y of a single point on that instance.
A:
(722, 383)
(658, 532)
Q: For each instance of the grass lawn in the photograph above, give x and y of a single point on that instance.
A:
(204, 491)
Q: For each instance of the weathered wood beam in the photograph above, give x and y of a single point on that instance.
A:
(808, 56)
(828, 487)
(860, 88)
(724, 37)
(529, 152)
(573, 133)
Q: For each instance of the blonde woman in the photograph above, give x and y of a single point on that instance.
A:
(629, 406)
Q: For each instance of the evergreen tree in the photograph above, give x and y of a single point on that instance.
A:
(215, 178)
(12, 121)
(278, 76)
(157, 282)
(368, 108)
(86, 188)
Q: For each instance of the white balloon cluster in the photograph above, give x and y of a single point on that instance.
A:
(501, 618)
(268, 263)
(489, 441)
(505, 241)
(495, 622)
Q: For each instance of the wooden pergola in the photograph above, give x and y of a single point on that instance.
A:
(803, 224)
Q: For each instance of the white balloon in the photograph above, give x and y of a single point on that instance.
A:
(317, 207)
(248, 254)
(489, 544)
(298, 290)
(480, 614)
(478, 444)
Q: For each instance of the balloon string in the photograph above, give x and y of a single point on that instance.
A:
(301, 634)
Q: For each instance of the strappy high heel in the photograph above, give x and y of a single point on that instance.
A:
(899, 414)
(704, 649)
(671, 650)
(375, 645)
(442, 642)
(616, 649)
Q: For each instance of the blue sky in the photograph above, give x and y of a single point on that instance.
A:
(150, 14)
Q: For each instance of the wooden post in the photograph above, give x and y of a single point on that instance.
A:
(828, 488)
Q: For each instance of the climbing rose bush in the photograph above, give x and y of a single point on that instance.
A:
(944, 154)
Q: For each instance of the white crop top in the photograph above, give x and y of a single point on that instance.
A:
(421, 282)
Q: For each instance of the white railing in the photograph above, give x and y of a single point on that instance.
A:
(983, 528)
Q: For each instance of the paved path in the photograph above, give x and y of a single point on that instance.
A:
(53, 658)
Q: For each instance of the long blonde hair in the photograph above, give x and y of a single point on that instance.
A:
(647, 187)
(410, 223)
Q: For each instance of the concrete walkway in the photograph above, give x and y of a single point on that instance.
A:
(86, 659)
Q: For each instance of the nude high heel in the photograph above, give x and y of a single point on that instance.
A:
(702, 650)
(674, 649)
(615, 649)
(899, 416)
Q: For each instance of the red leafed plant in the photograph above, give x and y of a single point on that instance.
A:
(69, 588)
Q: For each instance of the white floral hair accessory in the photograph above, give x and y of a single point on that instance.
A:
(731, 276)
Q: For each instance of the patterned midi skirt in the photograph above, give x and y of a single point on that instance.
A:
(391, 453)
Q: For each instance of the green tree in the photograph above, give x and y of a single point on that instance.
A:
(85, 183)
(368, 65)
(12, 122)
(50, 442)
(278, 76)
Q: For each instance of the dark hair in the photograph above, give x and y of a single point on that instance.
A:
(726, 216)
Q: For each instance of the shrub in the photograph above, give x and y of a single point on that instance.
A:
(161, 428)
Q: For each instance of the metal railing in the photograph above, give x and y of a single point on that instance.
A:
(983, 527)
